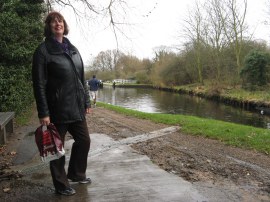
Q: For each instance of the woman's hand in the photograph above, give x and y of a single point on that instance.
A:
(45, 121)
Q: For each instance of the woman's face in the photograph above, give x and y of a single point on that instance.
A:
(57, 27)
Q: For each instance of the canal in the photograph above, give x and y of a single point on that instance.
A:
(156, 101)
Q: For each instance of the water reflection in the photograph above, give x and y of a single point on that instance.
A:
(155, 101)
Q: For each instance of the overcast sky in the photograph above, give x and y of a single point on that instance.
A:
(154, 23)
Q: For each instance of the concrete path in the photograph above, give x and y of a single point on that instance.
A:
(120, 174)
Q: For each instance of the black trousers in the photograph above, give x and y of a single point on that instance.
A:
(78, 159)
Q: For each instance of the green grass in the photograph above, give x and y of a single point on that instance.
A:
(24, 117)
(263, 96)
(237, 135)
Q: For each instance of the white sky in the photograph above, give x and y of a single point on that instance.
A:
(161, 27)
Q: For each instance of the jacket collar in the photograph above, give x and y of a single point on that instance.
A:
(54, 48)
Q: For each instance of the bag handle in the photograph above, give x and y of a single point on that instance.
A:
(44, 128)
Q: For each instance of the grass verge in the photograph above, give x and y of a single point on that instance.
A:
(237, 135)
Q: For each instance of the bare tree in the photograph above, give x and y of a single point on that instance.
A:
(195, 28)
(103, 61)
(216, 37)
(106, 60)
(161, 52)
(233, 18)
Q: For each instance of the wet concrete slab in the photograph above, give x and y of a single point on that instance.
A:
(121, 174)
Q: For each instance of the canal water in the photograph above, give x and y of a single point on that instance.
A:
(156, 101)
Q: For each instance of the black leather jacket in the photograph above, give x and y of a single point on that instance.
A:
(58, 81)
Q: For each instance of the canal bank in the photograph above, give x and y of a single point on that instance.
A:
(219, 96)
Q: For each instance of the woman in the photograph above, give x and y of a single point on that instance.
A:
(62, 98)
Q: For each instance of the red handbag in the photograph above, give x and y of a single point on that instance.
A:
(49, 143)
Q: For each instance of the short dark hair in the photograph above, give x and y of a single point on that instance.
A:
(94, 76)
(50, 17)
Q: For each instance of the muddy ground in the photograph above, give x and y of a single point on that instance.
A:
(196, 159)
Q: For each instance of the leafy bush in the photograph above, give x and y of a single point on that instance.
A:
(15, 88)
(255, 69)
(20, 33)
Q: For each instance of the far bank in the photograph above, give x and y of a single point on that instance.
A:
(235, 96)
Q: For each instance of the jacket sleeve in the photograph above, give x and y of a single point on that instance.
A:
(39, 78)
(86, 90)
